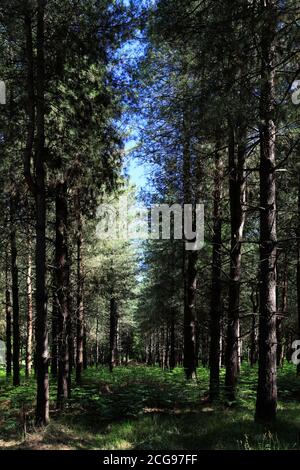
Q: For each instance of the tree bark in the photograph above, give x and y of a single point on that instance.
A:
(8, 311)
(298, 263)
(254, 329)
(113, 335)
(28, 363)
(281, 315)
(80, 306)
(190, 270)
(15, 293)
(41, 329)
(216, 294)
(62, 283)
(237, 220)
(266, 403)
(54, 320)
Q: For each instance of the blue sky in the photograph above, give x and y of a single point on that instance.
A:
(135, 169)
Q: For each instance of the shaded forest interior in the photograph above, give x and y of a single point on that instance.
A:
(119, 342)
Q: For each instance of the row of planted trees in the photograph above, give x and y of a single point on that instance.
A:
(61, 150)
(224, 132)
(212, 94)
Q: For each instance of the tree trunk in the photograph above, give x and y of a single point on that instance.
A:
(172, 359)
(41, 330)
(54, 321)
(216, 294)
(62, 283)
(266, 404)
(80, 307)
(298, 263)
(237, 219)
(8, 311)
(15, 294)
(280, 316)
(190, 271)
(28, 364)
(113, 335)
(254, 329)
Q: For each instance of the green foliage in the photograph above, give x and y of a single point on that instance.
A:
(146, 408)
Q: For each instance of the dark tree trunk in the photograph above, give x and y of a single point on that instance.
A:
(237, 218)
(85, 348)
(216, 294)
(298, 263)
(266, 404)
(280, 316)
(80, 347)
(190, 270)
(54, 320)
(15, 293)
(8, 311)
(172, 359)
(41, 329)
(62, 283)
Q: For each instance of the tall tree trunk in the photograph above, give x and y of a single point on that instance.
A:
(28, 363)
(190, 270)
(266, 404)
(237, 192)
(15, 293)
(54, 321)
(62, 283)
(280, 316)
(216, 294)
(172, 359)
(41, 329)
(80, 305)
(254, 329)
(8, 311)
(113, 334)
(298, 263)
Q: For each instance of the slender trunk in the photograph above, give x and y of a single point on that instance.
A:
(41, 329)
(15, 294)
(8, 311)
(85, 348)
(62, 283)
(190, 272)
(54, 321)
(172, 359)
(266, 404)
(281, 315)
(80, 307)
(298, 263)
(254, 330)
(237, 191)
(113, 335)
(97, 341)
(28, 364)
(216, 294)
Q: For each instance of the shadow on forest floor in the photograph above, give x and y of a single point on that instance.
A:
(146, 408)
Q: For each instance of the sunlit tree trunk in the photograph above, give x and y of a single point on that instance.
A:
(80, 307)
(28, 363)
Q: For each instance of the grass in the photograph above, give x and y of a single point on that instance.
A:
(145, 408)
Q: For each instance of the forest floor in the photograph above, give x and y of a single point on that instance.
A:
(141, 407)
